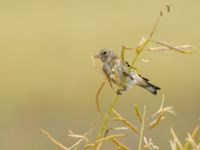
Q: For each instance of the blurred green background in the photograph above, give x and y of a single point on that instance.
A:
(47, 79)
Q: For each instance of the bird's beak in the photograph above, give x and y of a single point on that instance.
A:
(97, 56)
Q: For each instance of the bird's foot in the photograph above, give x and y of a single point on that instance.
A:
(119, 92)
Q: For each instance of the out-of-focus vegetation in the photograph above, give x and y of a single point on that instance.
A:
(48, 81)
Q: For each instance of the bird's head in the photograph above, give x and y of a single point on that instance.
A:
(106, 55)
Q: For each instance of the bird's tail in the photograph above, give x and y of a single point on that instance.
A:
(152, 88)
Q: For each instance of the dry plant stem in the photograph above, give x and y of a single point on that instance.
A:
(125, 121)
(54, 140)
(137, 112)
(180, 48)
(171, 46)
(194, 133)
(177, 140)
(142, 129)
(155, 122)
(110, 137)
(119, 145)
(98, 93)
(74, 146)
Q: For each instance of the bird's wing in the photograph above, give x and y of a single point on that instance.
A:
(144, 78)
(131, 73)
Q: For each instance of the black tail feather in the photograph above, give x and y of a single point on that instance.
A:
(152, 88)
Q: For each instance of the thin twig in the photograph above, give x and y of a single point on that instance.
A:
(142, 129)
(172, 47)
(119, 144)
(54, 140)
(176, 139)
(76, 144)
(98, 93)
(137, 112)
(125, 121)
(110, 137)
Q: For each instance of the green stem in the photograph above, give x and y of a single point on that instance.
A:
(107, 116)
(105, 121)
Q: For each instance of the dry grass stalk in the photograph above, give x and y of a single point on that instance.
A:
(137, 112)
(120, 128)
(98, 93)
(176, 140)
(90, 145)
(93, 146)
(76, 144)
(180, 49)
(160, 114)
(54, 140)
(71, 134)
(164, 48)
(173, 144)
(127, 48)
(123, 48)
(155, 122)
(142, 128)
(148, 144)
(124, 121)
(163, 109)
(119, 144)
(114, 129)
(194, 145)
(110, 137)
(80, 137)
(99, 146)
(193, 135)
(98, 143)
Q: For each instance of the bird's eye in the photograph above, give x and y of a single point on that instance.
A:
(104, 53)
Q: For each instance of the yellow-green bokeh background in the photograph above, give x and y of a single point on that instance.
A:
(47, 79)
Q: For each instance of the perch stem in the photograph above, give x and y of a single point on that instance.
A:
(107, 116)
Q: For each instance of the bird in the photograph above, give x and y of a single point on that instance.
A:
(123, 74)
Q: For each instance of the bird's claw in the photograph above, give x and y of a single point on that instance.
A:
(119, 92)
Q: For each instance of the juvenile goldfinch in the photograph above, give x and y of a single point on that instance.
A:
(121, 74)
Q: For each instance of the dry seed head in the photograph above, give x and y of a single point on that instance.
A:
(163, 110)
(71, 134)
(155, 122)
(149, 144)
(190, 139)
(137, 112)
